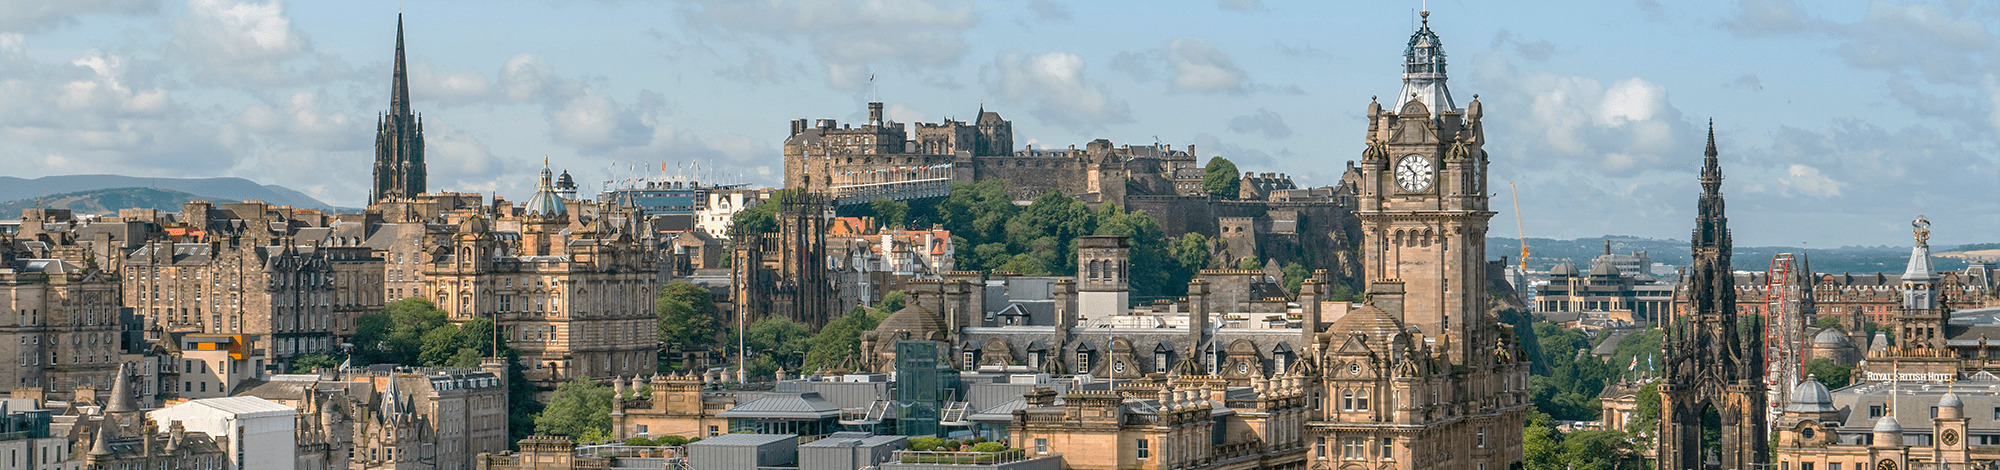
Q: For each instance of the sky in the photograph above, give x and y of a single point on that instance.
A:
(1838, 121)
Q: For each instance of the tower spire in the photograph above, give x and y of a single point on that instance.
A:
(1711, 169)
(399, 99)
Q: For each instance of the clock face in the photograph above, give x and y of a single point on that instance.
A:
(1242, 368)
(1118, 366)
(1354, 369)
(1950, 437)
(1413, 173)
(1886, 465)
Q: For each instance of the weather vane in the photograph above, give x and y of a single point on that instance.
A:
(1922, 228)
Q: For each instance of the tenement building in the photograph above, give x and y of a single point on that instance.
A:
(61, 322)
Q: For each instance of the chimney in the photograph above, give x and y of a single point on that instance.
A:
(1197, 318)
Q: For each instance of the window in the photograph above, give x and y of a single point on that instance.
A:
(1933, 412)
(1805, 466)
(1319, 448)
(1833, 466)
(1482, 437)
(1875, 411)
(1041, 445)
(1145, 452)
(1784, 466)
(1388, 449)
(1353, 448)
(712, 432)
(641, 429)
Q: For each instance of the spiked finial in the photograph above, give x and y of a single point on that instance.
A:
(399, 99)
(1711, 170)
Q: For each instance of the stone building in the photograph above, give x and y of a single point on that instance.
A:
(1627, 290)
(667, 405)
(785, 273)
(571, 292)
(113, 433)
(62, 322)
(1890, 426)
(243, 269)
(1187, 421)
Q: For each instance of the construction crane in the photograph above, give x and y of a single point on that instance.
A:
(1523, 227)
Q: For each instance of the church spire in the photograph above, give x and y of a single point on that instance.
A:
(399, 98)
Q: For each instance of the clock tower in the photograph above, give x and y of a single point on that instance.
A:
(1423, 206)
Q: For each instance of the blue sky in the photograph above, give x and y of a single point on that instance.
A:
(1838, 121)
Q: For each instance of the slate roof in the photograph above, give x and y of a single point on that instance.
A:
(800, 406)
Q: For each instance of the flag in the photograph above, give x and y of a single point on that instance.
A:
(1635, 364)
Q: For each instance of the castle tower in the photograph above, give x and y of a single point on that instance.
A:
(1712, 366)
(399, 139)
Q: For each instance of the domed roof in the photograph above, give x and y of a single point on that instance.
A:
(915, 319)
(546, 203)
(1603, 268)
(1370, 321)
(1888, 424)
(1829, 337)
(1563, 269)
(1811, 397)
(1951, 399)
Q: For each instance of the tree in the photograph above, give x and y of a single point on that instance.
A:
(773, 343)
(396, 336)
(1830, 374)
(891, 214)
(1193, 252)
(1221, 178)
(1294, 276)
(1153, 273)
(581, 410)
(893, 301)
(1249, 263)
(839, 340)
(763, 217)
(313, 362)
(686, 315)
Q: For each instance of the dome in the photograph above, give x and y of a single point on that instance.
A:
(1811, 397)
(915, 319)
(1563, 269)
(546, 203)
(1830, 337)
(1888, 424)
(1951, 399)
(1603, 268)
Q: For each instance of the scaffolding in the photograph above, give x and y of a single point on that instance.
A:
(1788, 312)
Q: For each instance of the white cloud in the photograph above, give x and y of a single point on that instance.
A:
(850, 37)
(1240, 5)
(1262, 122)
(1056, 84)
(1200, 67)
(226, 32)
(41, 15)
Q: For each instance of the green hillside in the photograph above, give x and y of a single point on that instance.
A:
(107, 201)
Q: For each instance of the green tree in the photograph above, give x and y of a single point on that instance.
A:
(1154, 273)
(396, 336)
(1541, 448)
(439, 345)
(1830, 374)
(581, 410)
(686, 315)
(893, 301)
(1221, 178)
(1595, 450)
(1249, 263)
(772, 343)
(891, 214)
(763, 217)
(1828, 321)
(1294, 276)
(839, 340)
(1193, 252)
(1649, 408)
(311, 362)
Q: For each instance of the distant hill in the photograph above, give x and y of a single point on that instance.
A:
(107, 201)
(232, 189)
(1546, 252)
